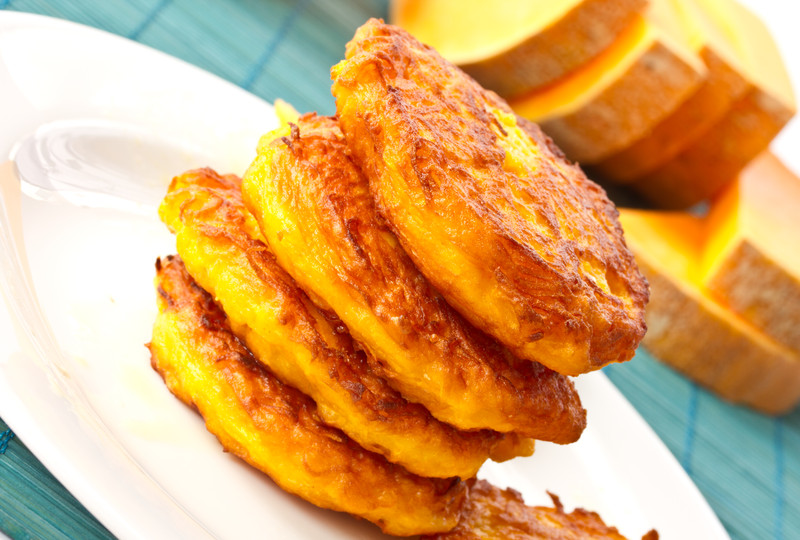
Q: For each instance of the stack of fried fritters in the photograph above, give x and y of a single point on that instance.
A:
(394, 295)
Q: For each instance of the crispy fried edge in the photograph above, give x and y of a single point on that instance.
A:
(312, 204)
(276, 428)
(494, 513)
(206, 212)
(588, 327)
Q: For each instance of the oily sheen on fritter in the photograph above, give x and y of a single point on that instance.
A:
(302, 345)
(514, 236)
(276, 428)
(315, 210)
(491, 513)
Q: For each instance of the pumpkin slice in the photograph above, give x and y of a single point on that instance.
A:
(724, 84)
(694, 333)
(515, 46)
(617, 97)
(752, 262)
(716, 157)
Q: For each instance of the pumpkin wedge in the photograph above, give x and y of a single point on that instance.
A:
(691, 331)
(616, 98)
(724, 84)
(717, 156)
(515, 46)
(752, 261)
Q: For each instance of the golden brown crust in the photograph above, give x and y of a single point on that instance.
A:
(305, 347)
(491, 513)
(276, 428)
(314, 207)
(513, 236)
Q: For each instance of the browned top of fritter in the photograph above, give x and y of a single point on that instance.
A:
(213, 203)
(377, 416)
(513, 203)
(476, 379)
(205, 365)
(494, 514)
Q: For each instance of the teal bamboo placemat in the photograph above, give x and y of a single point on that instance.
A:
(747, 465)
(32, 503)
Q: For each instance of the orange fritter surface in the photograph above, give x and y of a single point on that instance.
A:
(514, 236)
(274, 427)
(494, 514)
(305, 347)
(316, 212)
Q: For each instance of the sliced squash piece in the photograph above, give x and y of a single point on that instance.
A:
(716, 157)
(752, 262)
(724, 84)
(691, 331)
(515, 46)
(616, 98)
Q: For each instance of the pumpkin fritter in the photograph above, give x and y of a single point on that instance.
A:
(302, 345)
(315, 210)
(494, 514)
(513, 235)
(276, 428)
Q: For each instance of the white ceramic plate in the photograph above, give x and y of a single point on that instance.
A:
(75, 378)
